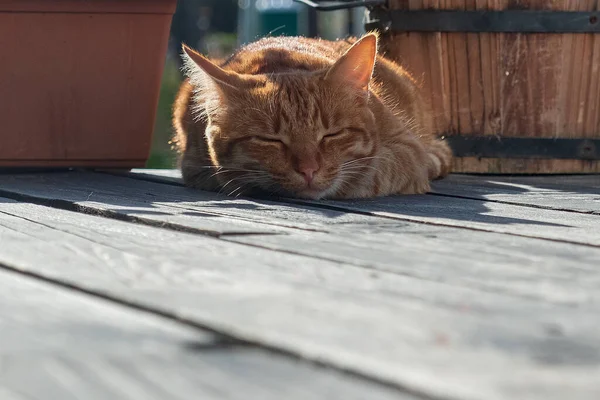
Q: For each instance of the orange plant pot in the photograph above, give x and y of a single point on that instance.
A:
(79, 81)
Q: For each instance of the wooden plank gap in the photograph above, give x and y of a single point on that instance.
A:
(74, 207)
(350, 209)
(227, 339)
(148, 177)
(536, 206)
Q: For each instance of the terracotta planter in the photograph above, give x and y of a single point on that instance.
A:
(79, 80)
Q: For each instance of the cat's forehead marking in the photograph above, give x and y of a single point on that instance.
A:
(299, 108)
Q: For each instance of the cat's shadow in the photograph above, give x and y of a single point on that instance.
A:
(433, 209)
(425, 208)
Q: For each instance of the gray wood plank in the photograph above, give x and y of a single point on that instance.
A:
(371, 242)
(165, 204)
(172, 176)
(537, 270)
(189, 209)
(441, 340)
(59, 344)
(570, 193)
(485, 216)
(108, 195)
(554, 224)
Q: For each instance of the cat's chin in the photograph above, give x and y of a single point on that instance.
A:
(311, 194)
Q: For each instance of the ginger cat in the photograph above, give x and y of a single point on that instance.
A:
(305, 118)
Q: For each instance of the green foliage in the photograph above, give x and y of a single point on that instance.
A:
(219, 45)
(161, 155)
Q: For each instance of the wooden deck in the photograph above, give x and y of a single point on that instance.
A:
(134, 287)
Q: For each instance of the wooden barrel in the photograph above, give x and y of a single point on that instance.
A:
(514, 84)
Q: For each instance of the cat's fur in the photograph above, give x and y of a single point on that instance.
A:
(307, 118)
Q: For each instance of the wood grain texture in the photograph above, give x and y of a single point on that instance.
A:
(408, 331)
(372, 242)
(580, 193)
(105, 194)
(377, 243)
(343, 233)
(567, 193)
(185, 208)
(482, 215)
(59, 344)
(158, 204)
(486, 216)
(506, 84)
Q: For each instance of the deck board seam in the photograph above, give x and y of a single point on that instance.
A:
(161, 180)
(512, 203)
(384, 270)
(340, 208)
(354, 264)
(333, 207)
(229, 340)
(72, 206)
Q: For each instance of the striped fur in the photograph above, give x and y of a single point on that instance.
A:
(279, 104)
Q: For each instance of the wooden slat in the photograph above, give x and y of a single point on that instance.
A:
(505, 84)
(366, 241)
(167, 204)
(580, 193)
(106, 195)
(59, 344)
(488, 216)
(439, 339)
(369, 241)
(204, 211)
(570, 193)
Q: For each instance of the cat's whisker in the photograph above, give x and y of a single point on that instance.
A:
(356, 165)
(239, 188)
(357, 160)
(257, 178)
(250, 173)
(229, 182)
(360, 169)
(360, 159)
(225, 168)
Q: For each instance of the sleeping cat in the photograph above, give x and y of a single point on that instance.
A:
(306, 118)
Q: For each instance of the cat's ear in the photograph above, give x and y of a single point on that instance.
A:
(355, 67)
(216, 74)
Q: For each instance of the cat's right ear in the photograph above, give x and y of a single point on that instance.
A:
(355, 67)
(212, 71)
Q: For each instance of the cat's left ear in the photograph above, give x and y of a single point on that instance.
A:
(355, 67)
(216, 74)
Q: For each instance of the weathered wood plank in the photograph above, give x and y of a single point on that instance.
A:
(172, 176)
(481, 215)
(60, 344)
(372, 242)
(175, 205)
(570, 193)
(573, 193)
(186, 208)
(442, 340)
(108, 195)
(537, 270)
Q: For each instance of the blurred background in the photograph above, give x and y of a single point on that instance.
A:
(218, 27)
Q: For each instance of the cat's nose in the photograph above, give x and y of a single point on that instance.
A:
(309, 174)
(307, 167)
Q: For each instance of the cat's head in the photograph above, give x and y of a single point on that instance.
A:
(300, 133)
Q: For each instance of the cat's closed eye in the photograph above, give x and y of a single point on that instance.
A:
(268, 139)
(334, 134)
